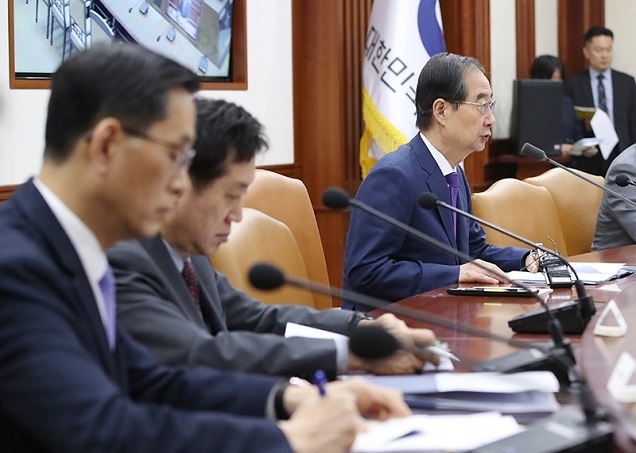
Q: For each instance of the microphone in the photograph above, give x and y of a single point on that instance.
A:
(623, 180)
(337, 198)
(143, 9)
(551, 435)
(573, 315)
(372, 342)
(535, 153)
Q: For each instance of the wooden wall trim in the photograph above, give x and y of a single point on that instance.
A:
(573, 23)
(5, 192)
(525, 37)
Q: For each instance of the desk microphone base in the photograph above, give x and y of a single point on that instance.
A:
(536, 322)
(558, 434)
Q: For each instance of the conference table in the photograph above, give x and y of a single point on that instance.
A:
(595, 355)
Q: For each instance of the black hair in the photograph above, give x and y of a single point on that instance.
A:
(595, 31)
(226, 134)
(544, 65)
(443, 76)
(124, 81)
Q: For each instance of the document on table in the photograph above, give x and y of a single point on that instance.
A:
(419, 433)
(589, 273)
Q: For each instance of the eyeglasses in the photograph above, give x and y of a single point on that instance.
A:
(483, 106)
(186, 154)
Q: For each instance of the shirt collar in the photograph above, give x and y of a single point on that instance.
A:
(441, 161)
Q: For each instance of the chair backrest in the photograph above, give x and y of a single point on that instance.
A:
(261, 238)
(287, 200)
(577, 205)
(100, 30)
(522, 208)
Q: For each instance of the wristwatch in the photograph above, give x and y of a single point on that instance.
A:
(359, 316)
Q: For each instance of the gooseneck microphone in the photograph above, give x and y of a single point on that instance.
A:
(535, 153)
(337, 198)
(574, 315)
(556, 434)
(622, 180)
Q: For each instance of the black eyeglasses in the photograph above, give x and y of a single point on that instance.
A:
(185, 156)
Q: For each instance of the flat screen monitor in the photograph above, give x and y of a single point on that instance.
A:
(537, 106)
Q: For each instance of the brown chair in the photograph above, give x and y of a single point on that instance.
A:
(261, 238)
(287, 200)
(522, 208)
(577, 205)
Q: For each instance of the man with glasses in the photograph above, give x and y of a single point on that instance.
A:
(455, 117)
(120, 125)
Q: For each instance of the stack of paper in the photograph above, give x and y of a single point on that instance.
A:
(588, 273)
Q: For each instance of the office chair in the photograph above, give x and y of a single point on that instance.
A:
(525, 209)
(261, 238)
(287, 200)
(577, 204)
(60, 12)
(101, 31)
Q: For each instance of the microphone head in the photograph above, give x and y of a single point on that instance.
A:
(427, 200)
(335, 198)
(621, 180)
(532, 151)
(372, 342)
(265, 276)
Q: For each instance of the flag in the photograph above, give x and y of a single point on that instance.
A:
(402, 36)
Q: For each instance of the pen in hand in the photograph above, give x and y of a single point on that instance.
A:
(320, 381)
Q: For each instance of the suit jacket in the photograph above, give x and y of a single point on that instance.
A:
(616, 220)
(62, 388)
(579, 89)
(383, 261)
(230, 331)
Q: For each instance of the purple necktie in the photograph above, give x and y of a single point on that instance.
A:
(107, 287)
(192, 282)
(602, 98)
(452, 179)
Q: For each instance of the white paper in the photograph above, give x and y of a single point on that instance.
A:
(419, 433)
(589, 273)
(604, 131)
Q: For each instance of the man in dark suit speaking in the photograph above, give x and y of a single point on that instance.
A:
(602, 87)
(220, 326)
(120, 125)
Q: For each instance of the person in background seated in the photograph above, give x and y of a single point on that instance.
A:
(552, 68)
(616, 220)
(455, 117)
(220, 326)
(604, 88)
(119, 132)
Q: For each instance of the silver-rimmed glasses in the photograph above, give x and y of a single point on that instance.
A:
(186, 153)
(483, 107)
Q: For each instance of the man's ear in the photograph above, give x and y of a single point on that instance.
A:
(103, 142)
(441, 109)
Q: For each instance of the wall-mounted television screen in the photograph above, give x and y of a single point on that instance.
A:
(196, 33)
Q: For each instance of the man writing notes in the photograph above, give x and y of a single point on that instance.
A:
(218, 325)
(119, 130)
(455, 117)
(602, 87)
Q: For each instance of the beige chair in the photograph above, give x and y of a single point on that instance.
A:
(287, 200)
(522, 208)
(577, 204)
(260, 238)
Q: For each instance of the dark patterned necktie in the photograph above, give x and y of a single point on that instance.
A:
(452, 179)
(107, 287)
(192, 282)
(602, 98)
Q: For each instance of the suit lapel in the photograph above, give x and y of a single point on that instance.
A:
(89, 323)
(436, 183)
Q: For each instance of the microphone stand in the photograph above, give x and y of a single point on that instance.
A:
(556, 434)
(535, 153)
(573, 315)
(337, 198)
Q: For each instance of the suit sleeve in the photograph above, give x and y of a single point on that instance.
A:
(57, 394)
(618, 213)
(246, 338)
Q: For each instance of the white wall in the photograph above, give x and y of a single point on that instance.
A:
(268, 97)
(619, 17)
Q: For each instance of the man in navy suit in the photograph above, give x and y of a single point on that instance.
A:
(614, 92)
(455, 118)
(120, 126)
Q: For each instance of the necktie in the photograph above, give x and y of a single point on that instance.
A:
(452, 179)
(192, 282)
(602, 99)
(107, 287)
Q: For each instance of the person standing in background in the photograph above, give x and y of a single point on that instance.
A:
(604, 88)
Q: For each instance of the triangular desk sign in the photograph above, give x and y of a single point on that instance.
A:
(617, 385)
(615, 325)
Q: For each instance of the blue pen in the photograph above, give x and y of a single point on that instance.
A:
(320, 381)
